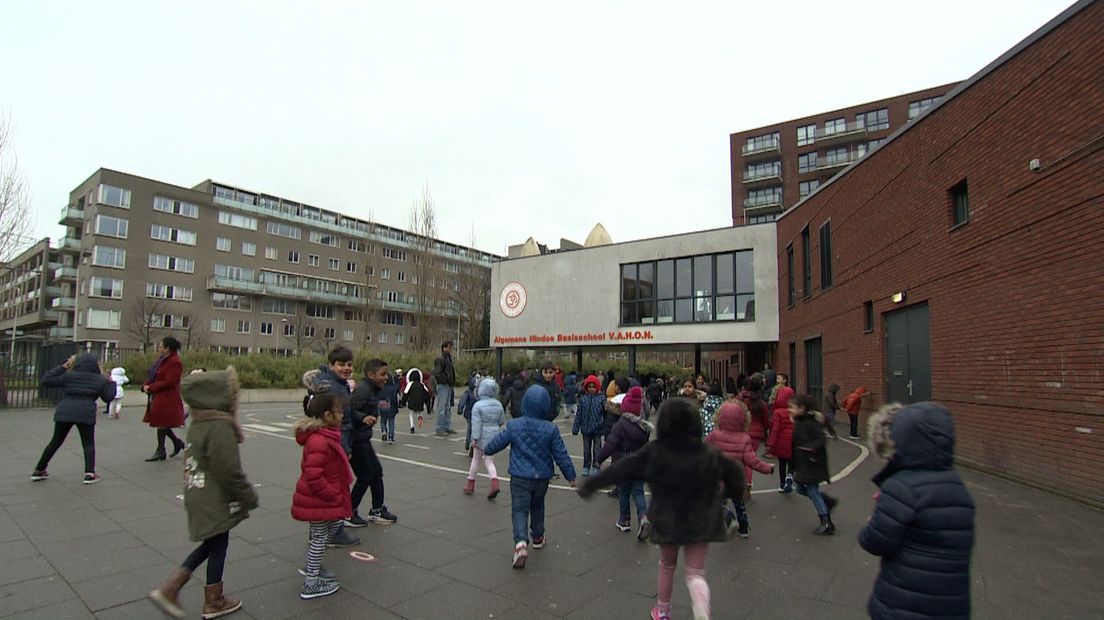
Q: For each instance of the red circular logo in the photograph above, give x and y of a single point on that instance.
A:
(512, 300)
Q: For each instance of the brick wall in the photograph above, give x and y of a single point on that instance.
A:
(1016, 295)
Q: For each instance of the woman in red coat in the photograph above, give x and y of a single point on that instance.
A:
(165, 409)
(780, 443)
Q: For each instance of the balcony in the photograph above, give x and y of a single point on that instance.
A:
(69, 244)
(62, 274)
(763, 177)
(60, 333)
(755, 204)
(228, 285)
(51, 315)
(835, 163)
(71, 216)
(53, 291)
(761, 149)
(64, 303)
(850, 131)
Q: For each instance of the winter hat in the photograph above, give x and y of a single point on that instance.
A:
(633, 400)
(592, 380)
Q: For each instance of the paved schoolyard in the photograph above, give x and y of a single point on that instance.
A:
(74, 551)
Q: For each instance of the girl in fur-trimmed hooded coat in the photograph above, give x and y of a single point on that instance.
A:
(684, 474)
(923, 521)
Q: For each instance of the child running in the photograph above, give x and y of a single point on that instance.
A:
(322, 493)
(534, 443)
(590, 420)
(487, 416)
(684, 474)
(732, 438)
(810, 459)
(780, 440)
(115, 407)
(629, 434)
(217, 495)
(415, 396)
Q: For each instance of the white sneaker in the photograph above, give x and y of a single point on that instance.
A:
(521, 553)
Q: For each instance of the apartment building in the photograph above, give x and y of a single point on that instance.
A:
(774, 167)
(29, 289)
(238, 271)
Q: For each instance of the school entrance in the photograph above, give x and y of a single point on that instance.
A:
(908, 355)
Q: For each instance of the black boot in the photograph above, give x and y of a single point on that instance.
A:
(826, 528)
(158, 455)
(830, 502)
(178, 445)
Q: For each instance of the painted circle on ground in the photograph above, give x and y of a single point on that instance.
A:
(362, 556)
(512, 300)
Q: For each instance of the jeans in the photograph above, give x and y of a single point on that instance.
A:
(592, 445)
(387, 427)
(635, 489)
(212, 551)
(444, 407)
(61, 431)
(854, 424)
(527, 507)
(369, 474)
(812, 491)
(467, 437)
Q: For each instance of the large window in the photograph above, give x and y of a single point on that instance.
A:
(106, 256)
(106, 287)
(807, 162)
(103, 319)
(806, 264)
(238, 221)
(805, 188)
(169, 291)
(278, 306)
(874, 120)
(284, 230)
(173, 235)
(324, 238)
(321, 311)
(175, 207)
(761, 143)
(834, 126)
(115, 196)
(692, 289)
(806, 135)
(826, 255)
(111, 226)
(789, 275)
(232, 272)
(763, 170)
(837, 156)
(227, 301)
(171, 263)
(916, 108)
(763, 197)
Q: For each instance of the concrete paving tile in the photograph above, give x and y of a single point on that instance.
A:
(431, 552)
(386, 582)
(79, 565)
(796, 606)
(349, 608)
(480, 569)
(17, 550)
(25, 569)
(72, 609)
(615, 603)
(280, 599)
(46, 532)
(152, 507)
(541, 587)
(523, 612)
(453, 600)
(118, 588)
(26, 596)
(265, 527)
(257, 571)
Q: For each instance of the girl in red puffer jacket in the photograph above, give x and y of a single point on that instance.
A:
(780, 442)
(731, 436)
(322, 494)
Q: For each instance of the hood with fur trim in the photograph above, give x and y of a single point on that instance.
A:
(679, 424)
(216, 390)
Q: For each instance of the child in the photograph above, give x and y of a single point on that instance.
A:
(629, 434)
(852, 404)
(464, 407)
(187, 408)
(780, 440)
(388, 404)
(82, 382)
(364, 413)
(590, 421)
(712, 402)
(571, 394)
(487, 416)
(546, 379)
(684, 475)
(757, 410)
(118, 375)
(732, 438)
(217, 495)
(534, 443)
(415, 396)
(923, 521)
(322, 492)
(831, 406)
(810, 459)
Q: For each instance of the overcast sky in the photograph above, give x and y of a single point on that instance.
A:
(524, 118)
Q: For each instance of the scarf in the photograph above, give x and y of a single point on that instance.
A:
(203, 415)
(153, 369)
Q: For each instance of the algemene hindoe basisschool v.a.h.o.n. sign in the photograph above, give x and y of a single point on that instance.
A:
(607, 336)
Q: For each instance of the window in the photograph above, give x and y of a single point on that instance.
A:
(762, 170)
(356, 245)
(806, 264)
(231, 272)
(347, 335)
(106, 256)
(763, 197)
(106, 287)
(385, 274)
(324, 238)
(761, 219)
(391, 318)
(354, 315)
(350, 267)
(764, 142)
(111, 226)
(704, 288)
(272, 253)
(807, 162)
(960, 204)
(174, 235)
(916, 108)
(335, 264)
(837, 156)
(330, 332)
(115, 197)
(394, 254)
(868, 316)
(103, 319)
(826, 255)
(320, 311)
(790, 275)
(237, 220)
(278, 306)
(402, 276)
(806, 134)
(226, 301)
(452, 268)
(834, 126)
(266, 329)
(398, 338)
(293, 256)
(289, 329)
(805, 188)
(284, 230)
(382, 338)
(308, 331)
(313, 260)
(169, 291)
(171, 263)
(249, 248)
(218, 324)
(222, 244)
(243, 327)
(175, 207)
(392, 296)
(170, 320)
(874, 120)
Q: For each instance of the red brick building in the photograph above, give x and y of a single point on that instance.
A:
(962, 261)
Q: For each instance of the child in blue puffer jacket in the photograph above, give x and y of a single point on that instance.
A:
(590, 420)
(534, 443)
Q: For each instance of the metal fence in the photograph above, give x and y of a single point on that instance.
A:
(21, 379)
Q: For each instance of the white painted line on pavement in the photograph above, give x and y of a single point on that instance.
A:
(414, 445)
(863, 453)
(263, 427)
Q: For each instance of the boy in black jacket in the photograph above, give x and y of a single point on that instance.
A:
(364, 407)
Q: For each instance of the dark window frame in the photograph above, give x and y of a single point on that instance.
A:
(739, 291)
(790, 296)
(826, 255)
(868, 317)
(806, 264)
(958, 198)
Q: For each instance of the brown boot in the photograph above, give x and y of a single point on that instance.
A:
(494, 489)
(215, 605)
(469, 487)
(164, 597)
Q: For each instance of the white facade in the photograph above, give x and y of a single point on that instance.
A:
(573, 298)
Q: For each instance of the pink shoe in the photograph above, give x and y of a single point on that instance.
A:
(657, 614)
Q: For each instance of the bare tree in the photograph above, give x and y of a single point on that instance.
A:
(302, 331)
(472, 301)
(142, 320)
(372, 301)
(430, 297)
(195, 337)
(15, 206)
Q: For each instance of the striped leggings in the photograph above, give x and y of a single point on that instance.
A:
(320, 533)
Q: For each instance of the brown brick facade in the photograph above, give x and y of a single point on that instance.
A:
(1015, 294)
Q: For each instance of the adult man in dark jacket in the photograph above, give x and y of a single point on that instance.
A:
(365, 413)
(445, 375)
